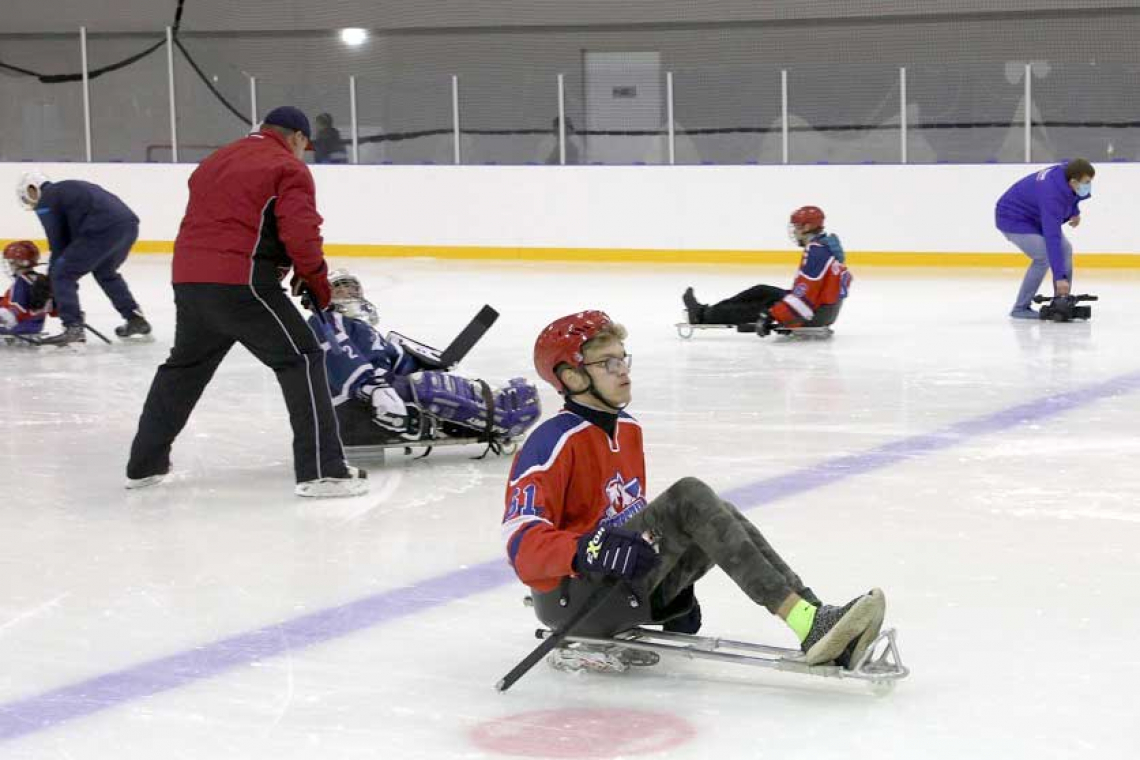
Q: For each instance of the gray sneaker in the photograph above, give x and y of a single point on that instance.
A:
(858, 646)
(1024, 313)
(836, 627)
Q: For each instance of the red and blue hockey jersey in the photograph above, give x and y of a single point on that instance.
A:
(569, 477)
(21, 300)
(822, 280)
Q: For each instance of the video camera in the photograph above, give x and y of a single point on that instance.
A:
(1064, 308)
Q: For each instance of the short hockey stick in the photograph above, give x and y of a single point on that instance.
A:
(96, 333)
(595, 600)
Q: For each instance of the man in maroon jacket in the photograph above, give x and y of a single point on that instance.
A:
(251, 217)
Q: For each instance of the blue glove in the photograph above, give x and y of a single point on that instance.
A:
(614, 552)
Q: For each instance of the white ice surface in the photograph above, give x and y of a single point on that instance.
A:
(1009, 561)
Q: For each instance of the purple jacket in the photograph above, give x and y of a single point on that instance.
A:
(1038, 205)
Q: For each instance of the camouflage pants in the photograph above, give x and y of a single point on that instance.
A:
(696, 530)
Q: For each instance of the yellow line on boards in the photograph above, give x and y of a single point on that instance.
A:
(674, 256)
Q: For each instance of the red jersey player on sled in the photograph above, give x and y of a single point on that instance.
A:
(603, 560)
(809, 308)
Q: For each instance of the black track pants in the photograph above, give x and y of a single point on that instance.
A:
(210, 319)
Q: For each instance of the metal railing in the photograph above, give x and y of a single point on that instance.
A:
(809, 114)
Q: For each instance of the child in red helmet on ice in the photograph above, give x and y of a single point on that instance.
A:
(820, 286)
(577, 510)
(25, 305)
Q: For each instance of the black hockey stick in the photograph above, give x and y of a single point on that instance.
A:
(467, 339)
(25, 338)
(595, 600)
(433, 358)
(96, 333)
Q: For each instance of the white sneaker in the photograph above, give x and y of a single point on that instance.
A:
(150, 480)
(356, 484)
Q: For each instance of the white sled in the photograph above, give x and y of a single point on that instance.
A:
(881, 665)
(685, 330)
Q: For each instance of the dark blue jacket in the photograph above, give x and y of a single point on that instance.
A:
(71, 209)
(1038, 205)
(356, 356)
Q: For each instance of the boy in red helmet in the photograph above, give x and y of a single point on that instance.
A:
(577, 510)
(820, 286)
(25, 305)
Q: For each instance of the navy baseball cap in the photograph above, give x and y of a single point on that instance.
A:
(289, 117)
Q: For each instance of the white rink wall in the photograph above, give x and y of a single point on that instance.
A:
(874, 208)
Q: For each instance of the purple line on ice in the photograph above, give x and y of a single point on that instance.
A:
(44, 711)
(837, 468)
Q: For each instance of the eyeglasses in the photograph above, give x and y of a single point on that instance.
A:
(613, 364)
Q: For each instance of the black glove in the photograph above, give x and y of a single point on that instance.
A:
(616, 552)
(764, 324)
(41, 292)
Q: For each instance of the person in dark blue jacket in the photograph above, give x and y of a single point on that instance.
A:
(89, 231)
(1030, 215)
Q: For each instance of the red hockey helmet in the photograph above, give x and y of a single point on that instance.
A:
(561, 343)
(810, 217)
(21, 255)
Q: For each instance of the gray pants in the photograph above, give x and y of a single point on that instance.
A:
(695, 530)
(1033, 246)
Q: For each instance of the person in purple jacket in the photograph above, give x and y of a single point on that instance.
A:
(1030, 215)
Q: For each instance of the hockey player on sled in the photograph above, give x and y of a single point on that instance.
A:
(603, 561)
(27, 302)
(395, 392)
(807, 310)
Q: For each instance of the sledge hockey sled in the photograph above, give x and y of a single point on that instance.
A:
(881, 664)
(604, 630)
(363, 439)
(819, 328)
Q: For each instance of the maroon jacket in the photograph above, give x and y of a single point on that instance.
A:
(252, 214)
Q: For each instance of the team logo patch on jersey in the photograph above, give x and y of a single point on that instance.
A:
(624, 499)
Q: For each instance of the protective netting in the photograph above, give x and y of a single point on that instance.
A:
(964, 81)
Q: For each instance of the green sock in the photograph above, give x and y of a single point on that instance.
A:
(800, 618)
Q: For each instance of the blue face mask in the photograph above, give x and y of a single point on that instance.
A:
(1084, 189)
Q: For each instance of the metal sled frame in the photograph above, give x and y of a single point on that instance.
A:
(377, 450)
(685, 330)
(881, 664)
(431, 437)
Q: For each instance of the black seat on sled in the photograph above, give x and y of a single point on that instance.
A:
(825, 315)
(616, 613)
(357, 427)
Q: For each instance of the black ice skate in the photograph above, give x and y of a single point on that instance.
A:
(136, 324)
(693, 308)
(836, 627)
(72, 334)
